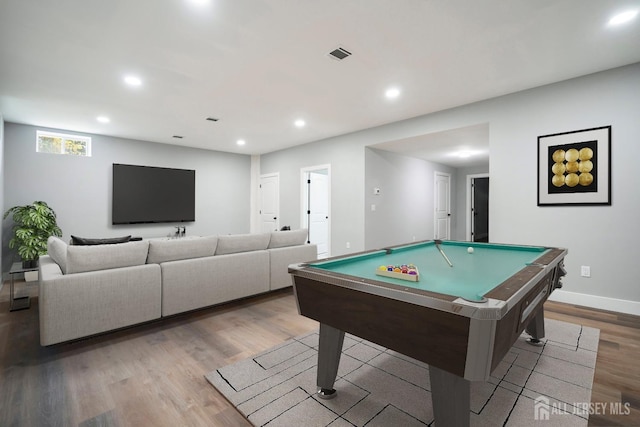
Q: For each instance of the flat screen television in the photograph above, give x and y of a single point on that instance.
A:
(145, 194)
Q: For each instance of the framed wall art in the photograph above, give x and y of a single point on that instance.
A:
(574, 168)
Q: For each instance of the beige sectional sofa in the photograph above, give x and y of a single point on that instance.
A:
(87, 290)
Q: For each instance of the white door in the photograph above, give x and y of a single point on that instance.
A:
(269, 202)
(442, 191)
(319, 217)
(316, 207)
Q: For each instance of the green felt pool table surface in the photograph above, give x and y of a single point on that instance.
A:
(471, 277)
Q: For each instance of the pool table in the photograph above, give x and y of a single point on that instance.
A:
(469, 305)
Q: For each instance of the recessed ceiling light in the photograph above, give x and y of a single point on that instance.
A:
(392, 93)
(623, 17)
(199, 2)
(240, 142)
(465, 154)
(132, 80)
(103, 119)
(300, 123)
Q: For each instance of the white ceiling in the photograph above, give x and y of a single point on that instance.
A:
(257, 65)
(448, 147)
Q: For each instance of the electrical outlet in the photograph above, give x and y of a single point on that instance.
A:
(585, 271)
(373, 208)
(348, 245)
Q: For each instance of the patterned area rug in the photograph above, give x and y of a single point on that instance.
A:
(380, 387)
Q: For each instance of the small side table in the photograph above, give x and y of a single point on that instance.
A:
(21, 303)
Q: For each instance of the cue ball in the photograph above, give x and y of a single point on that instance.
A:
(470, 250)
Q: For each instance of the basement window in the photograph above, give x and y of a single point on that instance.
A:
(59, 143)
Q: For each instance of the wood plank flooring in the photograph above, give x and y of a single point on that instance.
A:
(153, 374)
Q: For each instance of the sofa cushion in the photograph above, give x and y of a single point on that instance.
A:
(104, 257)
(83, 241)
(57, 250)
(281, 239)
(176, 249)
(242, 243)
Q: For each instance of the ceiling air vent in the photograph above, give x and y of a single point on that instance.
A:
(339, 53)
(212, 119)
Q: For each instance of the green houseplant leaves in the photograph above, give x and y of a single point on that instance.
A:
(33, 224)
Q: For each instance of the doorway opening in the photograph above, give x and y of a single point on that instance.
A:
(478, 208)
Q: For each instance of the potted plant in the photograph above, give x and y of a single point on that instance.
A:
(33, 224)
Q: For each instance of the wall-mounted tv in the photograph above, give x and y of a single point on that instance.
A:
(145, 194)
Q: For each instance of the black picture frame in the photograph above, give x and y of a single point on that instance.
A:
(574, 168)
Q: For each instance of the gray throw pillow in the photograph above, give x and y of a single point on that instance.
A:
(83, 241)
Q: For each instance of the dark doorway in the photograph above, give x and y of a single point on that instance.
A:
(480, 209)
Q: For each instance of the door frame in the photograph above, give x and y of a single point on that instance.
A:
(470, 178)
(303, 199)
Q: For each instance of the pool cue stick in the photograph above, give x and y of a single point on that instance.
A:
(442, 252)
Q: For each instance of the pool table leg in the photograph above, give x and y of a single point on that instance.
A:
(535, 328)
(329, 351)
(450, 395)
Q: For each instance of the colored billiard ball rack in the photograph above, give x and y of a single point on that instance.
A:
(404, 272)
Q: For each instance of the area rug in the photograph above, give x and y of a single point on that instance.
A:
(548, 385)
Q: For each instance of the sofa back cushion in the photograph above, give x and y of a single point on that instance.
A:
(57, 250)
(242, 243)
(281, 239)
(176, 249)
(103, 257)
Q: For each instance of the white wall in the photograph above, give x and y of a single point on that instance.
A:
(346, 157)
(79, 188)
(2, 204)
(600, 236)
(404, 209)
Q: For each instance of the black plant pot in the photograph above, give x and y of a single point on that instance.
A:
(32, 263)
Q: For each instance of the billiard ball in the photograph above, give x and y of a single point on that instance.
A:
(470, 250)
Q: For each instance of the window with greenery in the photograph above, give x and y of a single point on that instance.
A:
(58, 143)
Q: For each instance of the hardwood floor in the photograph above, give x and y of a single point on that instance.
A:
(153, 374)
(617, 375)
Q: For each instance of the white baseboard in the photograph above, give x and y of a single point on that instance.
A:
(594, 301)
